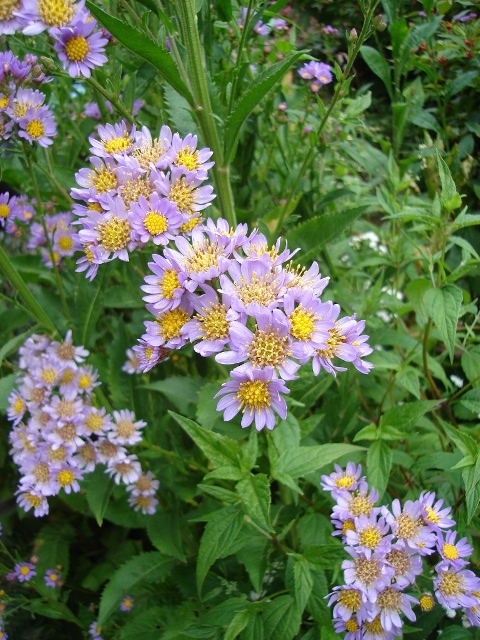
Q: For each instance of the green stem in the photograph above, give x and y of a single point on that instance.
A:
(203, 108)
(36, 311)
(236, 71)
(109, 96)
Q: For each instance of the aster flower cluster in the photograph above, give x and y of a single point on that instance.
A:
(22, 108)
(388, 548)
(16, 213)
(318, 72)
(58, 435)
(79, 43)
(138, 189)
(60, 232)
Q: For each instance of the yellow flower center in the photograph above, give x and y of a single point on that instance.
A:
(4, 99)
(126, 428)
(169, 283)
(351, 625)
(68, 432)
(49, 376)
(103, 180)
(345, 482)
(42, 472)
(181, 194)
(56, 13)
(65, 477)
(450, 584)
(148, 353)
(370, 537)
(254, 394)
(85, 381)
(426, 602)
(187, 227)
(114, 233)
(24, 570)
(77, 49)
(187, 158)
(407, 527)
(4, 210)
(65, 409)
(143, 502)
(374, 627)
(260, 289)
(66, 351)
(65, 243)
(68, 376)
(94, 422)
(35, 129)
(88, 254)
(450, 551)
(268, 349)
(149, 154)
(389, 599)
(432, 516)
(367, 570)
(117, 145)
(171, 322)
(400, 561)
(348, 525)
(350, 599)
(215, 324)
(155, 223)
(333, 342)
(132, 189)
(34, 500)
(7, 7)
(18, 406)
(360, 505)
(302, 323)
(95, 206)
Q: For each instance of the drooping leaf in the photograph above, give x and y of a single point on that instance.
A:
(254, 491)
(281, 618)
(303, 581)
(449, 196)
(379, 465)
(378, 65)
(98, 487)
(444, 306)
(304, 460)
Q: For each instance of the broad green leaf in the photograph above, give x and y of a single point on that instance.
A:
(378, 65)
(219, 449)
(250, 451)
(370, 432)
(254, 557)
(303, 581)
(7, 384)
(471, 477)
(225, 472)
(247, 102)
(143, 46)
(164, 531)
(449, 196)
(471, 400)
(12, 346)
(405, 416)
(460, 82)
(409, 379)
(254, 491)
(221, 538)
(324, 556)
(182, 391)
(281, 618)
(145, 625)
(149, 567)
(471, 365)
(444, 306)
(398, 33)
(316, 233)
(359, 105)
(417, 35)
(467, 445)
(98, 487)
(51, 609)
(220, 493)
(221, 614)
(237, 625)
(416, 290)
(379, 465)
(304, 460)
(255, 628)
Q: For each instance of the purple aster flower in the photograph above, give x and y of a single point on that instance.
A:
(41, 15)
(32, 499)
(24, 571)
(256, 393)
(389, 604)
(80, 48)
(9, 22)
(211, 323)
(165, 288)
(343, 480)
(67, 478)
(149, 356)
(184, 190)
(299, 280)
(433, 515)
(260, 27)
(146, 485)
(184, 153)
(114, 139)
(368, 572)
(25, 99)
(454, 588)
(100, 181)
(280, 25)
(108, 452)
(351, 505)
(349, 602)
(374, 630)
(127, 603)
(125, 429)
(132, 364)
(94, 631)
(350, 627)
(406, 563)
(52, 578)
(6, 127)
(267, 346)
(38, 125)
(370, 535)
(147, 504)
(16, 408)
(220, 231)
(310, 323)
(155, 219)
(127, 470)
(407, 526)
(152, 152)
(452, 552)
(167, 330)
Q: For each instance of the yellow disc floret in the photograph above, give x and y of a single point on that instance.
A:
(171, 323)
(7, 7)
(155, 223)
(114, 233)
(187, 158)
(35, 129)
(77, 49)
(56, 13)
(254, 394)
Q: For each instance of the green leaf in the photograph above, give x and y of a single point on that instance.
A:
(247, 102)
(238, 624)
(255, 628)
(145, 625)
(7, 384)
(304, 460)
(99, 488)
(281, 618)
(324, 556)
(460, 82)
(165, 533)
(414, 39)
(467, 445)
(250, 451)
(378, 65)
(405, 416)
(409, 379)
(219, 449)
(303, 582)
(51, 609)
(471, 365)
(471, 477)
(471, 400)
(316, 233)
(88, 307)
(379, 465)
(143, 46)
(444, 309)
(254, 557)
(180, 390)
(150, 567)
(12, 346)
(221, 538)
(255, 494)
(449, 197)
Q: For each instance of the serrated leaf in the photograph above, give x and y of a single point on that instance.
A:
(146, 625)
(379, 465)
(324, 556)
(405, 416)
(370, 432)
(52, 609)
(303, 579)
(254, 557)
(472, 488)
(449, 194)
(225, 472)
(237, 625)
(220, 538)
(471, 400)
(247, 102)
(304, 460)
(281, 618)
(164, 531)
(444, 306)
(219, 449)
(460, 82)
(180, 390)
(143, 46)
(254, 491)
(467, 445)
(378, 65)
(99, 488)
(471, 365)
(316, 233)
(149, 567)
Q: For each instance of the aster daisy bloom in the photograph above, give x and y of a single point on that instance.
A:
(148, 356)
(455, 588)
(127, 470)
(127, 603)
(407, 526)
(147, 504)
(347, 479)
(96, 421)
(350, 627)
(165, 286)
(32, 499)
(94, 631)
(184, 190)
(125, 429)
(374, 630)
(451, 551)
(6, 127)
(114, 139)
(371, 535)
(108, 452)
(9, 22)
(407, 564)
(310, 323)
(37, 475)
(257, 246)
(257, 394)
(24, 571)
(85, 457)
(52, 578)
(433, 515)
(80, 48)
(100, 181)
(308, 70)
(155, 219)
(167, 329)
(300, 280)
(390, 603)
(25, 99)
(219, 231)
(41, 15)
(211, 323)
(152, 152)
(67, 478)
(132, 364)
(146, 485)
(348, 602)
(16, 408)
(184, 153)
(38, 125)
(269, 345)
(8, 207)
(368, 572)
(352, 505)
